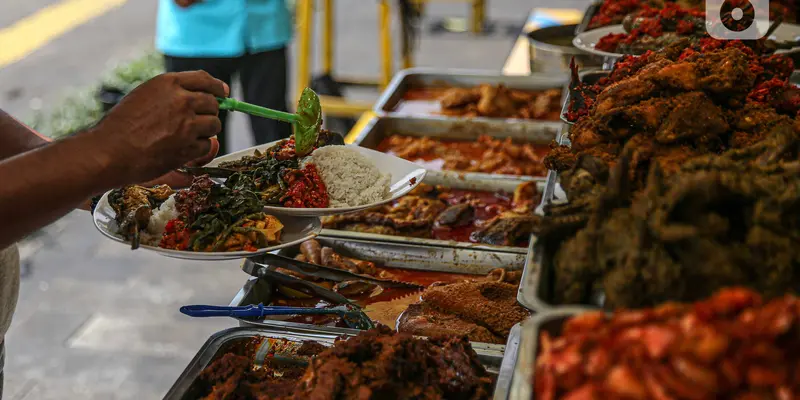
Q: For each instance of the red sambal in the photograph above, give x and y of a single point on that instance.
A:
(306, 189)
(176, 235)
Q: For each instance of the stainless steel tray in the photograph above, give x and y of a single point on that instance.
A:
(396, 255)
(234, 339)
(547, 57)
(433, 77)
(524, 363)
(380, 127)
(451, 180)
(503, 385)
(591, 10)
(590, 76)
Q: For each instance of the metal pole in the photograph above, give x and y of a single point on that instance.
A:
(328, 39)
(305, 28)
(385, 26)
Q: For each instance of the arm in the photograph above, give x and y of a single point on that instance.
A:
(16, 138)
(41, 185)
(161, 125)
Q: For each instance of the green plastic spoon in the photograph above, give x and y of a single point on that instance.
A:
(306, 122)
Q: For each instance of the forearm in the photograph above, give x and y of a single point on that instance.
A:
(16, 138)
(44, 184)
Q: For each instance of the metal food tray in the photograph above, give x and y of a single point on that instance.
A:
(433, 77)
(525, 359)
(503, 385)
(590, 76)
(392, 255)
(450, 180)
(591, 10)
(235, 340)
(381, 127)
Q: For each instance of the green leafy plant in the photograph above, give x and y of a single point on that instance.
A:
(82, 109)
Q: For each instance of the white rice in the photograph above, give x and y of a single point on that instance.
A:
(351, 178)
(160, 217)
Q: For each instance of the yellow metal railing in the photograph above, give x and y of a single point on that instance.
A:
(339, 107)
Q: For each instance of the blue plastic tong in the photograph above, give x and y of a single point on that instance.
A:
(352, 316)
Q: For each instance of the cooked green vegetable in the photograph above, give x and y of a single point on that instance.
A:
(307, 127)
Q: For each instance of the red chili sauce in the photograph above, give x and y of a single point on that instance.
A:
(306, 189)
(491, 205)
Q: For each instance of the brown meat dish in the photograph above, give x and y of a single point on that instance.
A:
(720, 220)
(443, 213)
(486, 155)
(490, 304)
(483, 310)
(671, 106)
(501, 102)
(381, 364)
(424, 320)
(234, 375)
(731, 346)
(376, 364)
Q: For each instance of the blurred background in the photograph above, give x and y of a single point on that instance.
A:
(95, 320)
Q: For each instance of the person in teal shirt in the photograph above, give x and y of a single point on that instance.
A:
(228, 37)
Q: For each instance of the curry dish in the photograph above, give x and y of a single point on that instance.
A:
(492, 101)
(437, 212)
(486, 155)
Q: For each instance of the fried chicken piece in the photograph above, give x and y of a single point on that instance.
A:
(496, 102)
(678, 75)
(585, 134)
(691, 115)
(459, 97)
(234, 377)
(422, 320)
(382, 364)
(622, 94)
(409, 212)
(456, 215)
(526, 196)
(506, 229)
(490, 304)
(753, 123)
(724, 72)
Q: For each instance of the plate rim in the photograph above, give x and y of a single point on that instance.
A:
(315, 223)
(579, 40)
(416, 170)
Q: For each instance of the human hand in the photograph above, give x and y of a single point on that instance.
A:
(177, 180)
(186, 3)
(161, 125)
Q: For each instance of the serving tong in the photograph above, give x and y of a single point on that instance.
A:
(350, 314)
(319, 271)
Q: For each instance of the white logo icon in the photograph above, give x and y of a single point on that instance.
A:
(737, 19)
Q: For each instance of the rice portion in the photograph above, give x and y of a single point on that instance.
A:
(351, 178)
(162, 215)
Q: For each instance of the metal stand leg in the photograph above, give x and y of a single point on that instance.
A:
(305, 28)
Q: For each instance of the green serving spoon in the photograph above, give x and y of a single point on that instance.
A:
(306, 122)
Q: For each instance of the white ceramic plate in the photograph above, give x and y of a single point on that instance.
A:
(295, 231)
(405, 176)
(587, 40)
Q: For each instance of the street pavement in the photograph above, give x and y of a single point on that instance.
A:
(96, 320)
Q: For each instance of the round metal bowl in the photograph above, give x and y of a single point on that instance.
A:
(551, 50)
